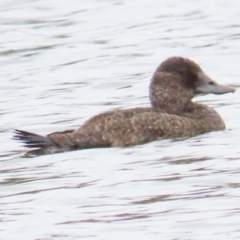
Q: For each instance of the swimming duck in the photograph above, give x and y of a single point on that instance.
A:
(172, 114)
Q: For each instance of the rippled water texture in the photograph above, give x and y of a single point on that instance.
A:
(64, 61)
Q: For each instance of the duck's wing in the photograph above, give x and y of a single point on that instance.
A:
(117, 114)
(138, 129)
(147, 127)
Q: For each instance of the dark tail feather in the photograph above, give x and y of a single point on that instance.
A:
(32, 140)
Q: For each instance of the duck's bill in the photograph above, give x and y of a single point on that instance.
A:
(207, 85)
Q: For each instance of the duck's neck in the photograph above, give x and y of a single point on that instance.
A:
(168, 92)
(171, 104)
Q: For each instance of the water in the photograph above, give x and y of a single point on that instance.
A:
(64, 61)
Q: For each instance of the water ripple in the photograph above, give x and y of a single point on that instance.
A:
(64, 62)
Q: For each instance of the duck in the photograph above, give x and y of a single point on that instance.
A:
(171, 115)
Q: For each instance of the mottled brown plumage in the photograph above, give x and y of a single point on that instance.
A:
(172, 114)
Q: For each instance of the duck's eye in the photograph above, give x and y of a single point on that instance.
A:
(211, 83)
(182, 71)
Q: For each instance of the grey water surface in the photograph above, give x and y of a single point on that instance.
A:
(61, 62)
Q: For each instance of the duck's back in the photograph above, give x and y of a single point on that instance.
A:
(118, 115)
(114, 130)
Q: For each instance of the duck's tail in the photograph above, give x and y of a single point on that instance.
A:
(32, 140)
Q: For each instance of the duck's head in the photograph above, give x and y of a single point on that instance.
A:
(177, 80)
